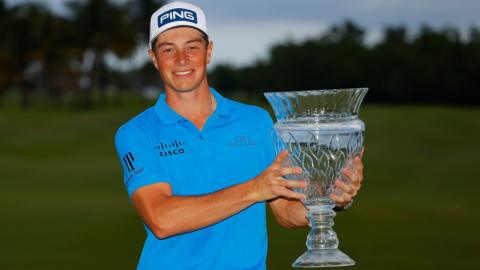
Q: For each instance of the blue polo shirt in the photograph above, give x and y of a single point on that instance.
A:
(234, 146)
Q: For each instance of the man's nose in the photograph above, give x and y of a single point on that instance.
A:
(182, 58)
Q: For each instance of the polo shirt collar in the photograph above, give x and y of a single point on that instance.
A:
(223, 104)
(168, 116)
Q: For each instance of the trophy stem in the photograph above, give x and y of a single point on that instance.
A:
(322, 242)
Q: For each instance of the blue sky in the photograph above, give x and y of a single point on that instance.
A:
(242, 31)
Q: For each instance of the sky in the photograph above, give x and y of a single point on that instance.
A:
(243, 31)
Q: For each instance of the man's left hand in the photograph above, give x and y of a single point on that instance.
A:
(347, 189)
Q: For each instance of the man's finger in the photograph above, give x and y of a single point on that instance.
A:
(336, 198)
(291, 194)
(344, 187)
(289, 170)
(290, 184)
(280, 157)
(359, 179)
(341, 199)
(357, 162)
(347, 175)
(362, 152)
(294, 184)
(358, 170)
(346, 197)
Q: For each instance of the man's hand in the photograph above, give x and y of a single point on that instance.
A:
(348, 188)
(271, 184)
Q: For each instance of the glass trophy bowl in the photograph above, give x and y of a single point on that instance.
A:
(322, 133)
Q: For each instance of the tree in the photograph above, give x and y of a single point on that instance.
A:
(140, 12)
(6, 59)
(434, 66)
(23, 35)
(100, 27)
(57, 49)
(390, 63)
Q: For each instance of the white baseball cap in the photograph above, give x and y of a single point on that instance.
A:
(176, 14)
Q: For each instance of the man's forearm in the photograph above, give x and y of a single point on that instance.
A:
(297, 213)
(289, 213)
(179, 214)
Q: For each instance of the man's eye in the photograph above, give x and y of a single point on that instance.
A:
(169, 50)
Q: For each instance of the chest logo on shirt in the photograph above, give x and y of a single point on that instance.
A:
(243, 140)
(170, 148)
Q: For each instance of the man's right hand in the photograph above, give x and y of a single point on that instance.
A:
(271, 183)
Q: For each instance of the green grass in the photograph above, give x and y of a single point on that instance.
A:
(63, 205)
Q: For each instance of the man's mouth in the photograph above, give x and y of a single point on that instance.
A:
(183, 73)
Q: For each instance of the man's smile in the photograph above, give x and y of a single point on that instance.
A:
(183, 73)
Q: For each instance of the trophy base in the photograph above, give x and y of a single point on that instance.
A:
(323, 258)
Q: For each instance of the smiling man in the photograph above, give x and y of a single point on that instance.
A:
(199, 167)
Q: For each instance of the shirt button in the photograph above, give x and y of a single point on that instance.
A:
(201, 137)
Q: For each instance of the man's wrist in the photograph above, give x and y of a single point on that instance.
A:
(252, 194)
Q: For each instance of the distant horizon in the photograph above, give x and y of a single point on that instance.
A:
(243, 32)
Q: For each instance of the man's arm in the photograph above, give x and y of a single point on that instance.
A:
(167, 215)
(289, 213)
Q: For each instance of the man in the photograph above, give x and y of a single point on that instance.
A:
(199, 167)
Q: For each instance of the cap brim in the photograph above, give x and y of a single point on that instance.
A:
(178, 26)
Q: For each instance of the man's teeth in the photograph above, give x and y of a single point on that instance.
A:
(181, 73)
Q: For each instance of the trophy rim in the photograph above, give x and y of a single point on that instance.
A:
(317, 91)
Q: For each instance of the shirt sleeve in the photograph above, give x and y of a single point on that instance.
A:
(138, 159)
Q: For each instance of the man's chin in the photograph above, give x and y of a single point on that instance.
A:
(183, 90)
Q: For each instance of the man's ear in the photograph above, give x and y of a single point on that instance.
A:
(209, 51)
(153, 57)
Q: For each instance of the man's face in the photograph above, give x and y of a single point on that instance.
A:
(181, 56)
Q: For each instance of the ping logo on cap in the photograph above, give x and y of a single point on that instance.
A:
(177, 14)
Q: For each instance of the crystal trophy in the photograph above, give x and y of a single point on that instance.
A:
(322, 133)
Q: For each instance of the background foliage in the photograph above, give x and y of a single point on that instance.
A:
(65, 59)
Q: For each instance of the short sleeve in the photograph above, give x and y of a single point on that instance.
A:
(138, 159)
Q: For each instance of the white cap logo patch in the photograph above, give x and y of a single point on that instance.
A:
(176, 14)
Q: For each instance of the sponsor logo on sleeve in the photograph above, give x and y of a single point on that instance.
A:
(128, 160)
(129, 166)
